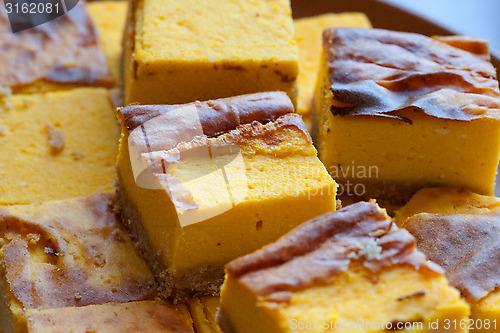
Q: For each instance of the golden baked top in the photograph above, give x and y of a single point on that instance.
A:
(378, 72)
(216, 116)
(467, 246)
(71, 253)
(316, 251)
(65, 51)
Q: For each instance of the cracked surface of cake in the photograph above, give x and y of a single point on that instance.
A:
(353, 265)
(460, 230)
(422, 111)
(66, 253)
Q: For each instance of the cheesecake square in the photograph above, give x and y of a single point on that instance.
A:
(109, 18)
(181, 52)
(60, 54)
(351, 270)
(308, 34)
(202, 183)
(140, 316)
(396, 112)
(57, 145)
(66, 253)
(460, 230)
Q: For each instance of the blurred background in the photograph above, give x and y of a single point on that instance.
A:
(479, 18)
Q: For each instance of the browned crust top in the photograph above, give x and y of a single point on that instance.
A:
(143, 316)
(66, 50)
(71, 253)
(315, 252)
(216, 116)
(378, 72)
(466, 246)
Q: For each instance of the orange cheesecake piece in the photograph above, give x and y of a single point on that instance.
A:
(66, 253)
(460, 230)
(201, 183)
(396, 112)
(351, 270)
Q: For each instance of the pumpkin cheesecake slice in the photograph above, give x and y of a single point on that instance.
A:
(60, 54)
(308, 34)
(202, 183)
(109, 18)
(66, 253)
(57, 145)
(352, 270)
(140, 316)
(396, 112)
(181, 52)
(460, 230)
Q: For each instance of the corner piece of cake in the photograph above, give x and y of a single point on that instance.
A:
(396, 112)
(181, 52)
(203, 183)
(351, 270)
(60, 54)
(460, 231)
(66, 253)
(140, 316)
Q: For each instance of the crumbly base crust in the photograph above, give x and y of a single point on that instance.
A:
(203, 280)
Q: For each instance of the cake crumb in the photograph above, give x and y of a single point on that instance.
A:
(78, 296)
(378, 233)
(56, 140)
(76, 154)
(371, 250)
(33, 238)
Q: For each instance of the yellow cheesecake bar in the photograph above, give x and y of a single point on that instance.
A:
(396, 112)
(203, 311)
(110, 17)
(63, 253)
(142, 316)
(57, 145)
(352, 270)
(60, 54)
(308, 34)
(202, 183)
(460, 230)
(181, 52)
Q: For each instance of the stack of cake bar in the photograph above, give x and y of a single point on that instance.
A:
(249, 188)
